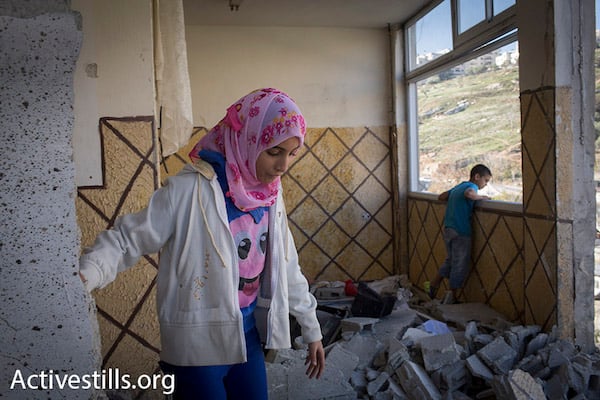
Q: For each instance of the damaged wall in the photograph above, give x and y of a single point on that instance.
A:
(47, 319)
(114, 118)
(537, 266)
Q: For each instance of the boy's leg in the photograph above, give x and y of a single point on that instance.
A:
(444, 271)
(461, 261)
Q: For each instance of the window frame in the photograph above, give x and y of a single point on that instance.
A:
(482, 38)
(485, 31)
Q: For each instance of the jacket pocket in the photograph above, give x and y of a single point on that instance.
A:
(197, 294)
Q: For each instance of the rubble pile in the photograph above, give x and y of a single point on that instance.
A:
(427, 350)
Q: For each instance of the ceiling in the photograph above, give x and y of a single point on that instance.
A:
(323, 13)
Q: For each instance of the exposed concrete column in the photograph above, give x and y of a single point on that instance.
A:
(399, 145)
(576, 198)
(46, 316)
(556, 78)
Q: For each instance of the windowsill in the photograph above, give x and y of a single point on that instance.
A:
(485, 205)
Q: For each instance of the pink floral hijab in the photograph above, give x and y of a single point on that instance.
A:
(258, 121)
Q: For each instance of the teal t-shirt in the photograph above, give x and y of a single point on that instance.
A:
(459, 209)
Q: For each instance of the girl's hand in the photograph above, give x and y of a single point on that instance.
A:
(315, 360)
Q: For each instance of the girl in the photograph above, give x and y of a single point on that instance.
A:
(226, 252)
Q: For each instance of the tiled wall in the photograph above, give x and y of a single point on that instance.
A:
(126, 308)
(338, 197)
(515, 260)
(497, 273)
(539, 205)
(339, 201)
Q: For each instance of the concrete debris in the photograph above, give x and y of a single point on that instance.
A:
(498, 356)
(427, 350)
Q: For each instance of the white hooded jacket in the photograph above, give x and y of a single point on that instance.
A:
(197, 286)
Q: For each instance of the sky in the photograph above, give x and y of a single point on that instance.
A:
(439, 35)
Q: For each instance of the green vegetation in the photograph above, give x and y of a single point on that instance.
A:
(470, 119)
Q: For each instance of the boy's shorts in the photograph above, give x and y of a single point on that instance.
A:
(457, 263)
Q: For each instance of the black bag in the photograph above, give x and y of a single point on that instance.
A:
(369, 303)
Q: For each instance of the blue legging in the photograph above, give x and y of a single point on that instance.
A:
(238, 381)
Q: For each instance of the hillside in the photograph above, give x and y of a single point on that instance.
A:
(471, 119)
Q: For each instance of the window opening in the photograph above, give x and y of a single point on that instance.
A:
(463, 103)
(470, 13)
(501, 5)
(469, 114)
(430, 36)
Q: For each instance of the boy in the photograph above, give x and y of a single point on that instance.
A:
(457, 229)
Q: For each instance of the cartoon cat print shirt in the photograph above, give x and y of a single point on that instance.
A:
(251, 241)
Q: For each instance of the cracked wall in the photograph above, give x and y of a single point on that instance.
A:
(47, 320)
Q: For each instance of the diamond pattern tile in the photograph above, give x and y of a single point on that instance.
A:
(347, 197)
(514, 254)
(173, 163)
(126, 308)
(354, 258)
(372, 195)
(351, 217)
(350, 172)
(332, 239)
(314, 261)
(539, 154)
(383, 173)
(308, 172)
(308, 216)
(330, 194)
(497, 255)
(385, 218)
(373, 238)
(371, 151)
(294, 194)
(330, 150)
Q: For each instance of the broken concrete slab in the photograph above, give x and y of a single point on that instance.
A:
(451, 377)
(518, 385)
(396, 323)
(343, 359)
(358, 324)
(532, 364)
(523, 335)
(397, 353)
(365, 347)
(462, 314)
(413, 336)
(478, 368)
(498, 356)
(536, 344)
(378, 383)
(558, 353)
(397, 362)
(332, 385)
(416, 382)
(439, 351)
(288, 381)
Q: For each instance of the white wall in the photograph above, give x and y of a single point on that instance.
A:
(339, 77)
(117, 38)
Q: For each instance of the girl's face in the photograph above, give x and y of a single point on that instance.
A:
(274, 161)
